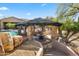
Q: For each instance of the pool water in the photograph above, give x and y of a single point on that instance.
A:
(12, 32)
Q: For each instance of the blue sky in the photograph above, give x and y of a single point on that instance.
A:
(28, 10)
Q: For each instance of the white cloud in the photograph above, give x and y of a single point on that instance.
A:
(43, 4)
(28, 14)
(4, 8)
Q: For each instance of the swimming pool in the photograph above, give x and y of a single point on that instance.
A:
(12, 32)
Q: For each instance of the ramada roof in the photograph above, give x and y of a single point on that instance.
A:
(39, 21)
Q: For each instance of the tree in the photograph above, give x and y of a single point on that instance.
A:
(67, 10)
(54, 19)
(66, 14)
(71, 28)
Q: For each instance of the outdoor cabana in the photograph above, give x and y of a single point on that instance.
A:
(39, 21)
(43, 23)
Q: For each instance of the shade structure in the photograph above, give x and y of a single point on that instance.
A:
(39, 21)
(22, 24)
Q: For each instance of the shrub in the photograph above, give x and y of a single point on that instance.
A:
(10, 25)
